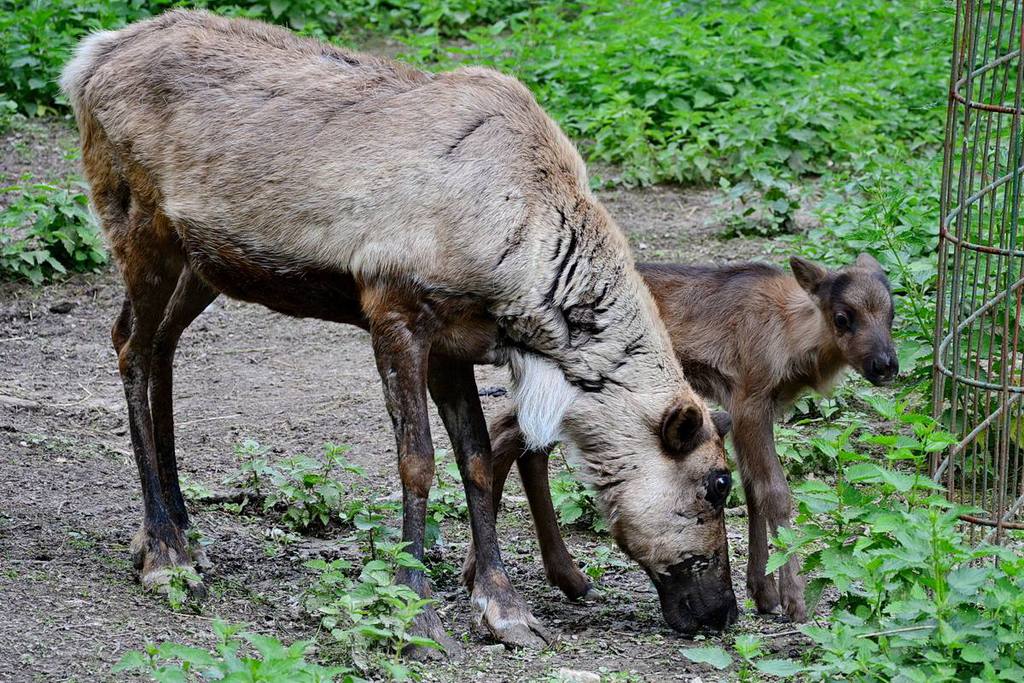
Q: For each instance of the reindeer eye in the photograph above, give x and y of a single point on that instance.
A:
(719, 485)
(723, 484)
(842, 321)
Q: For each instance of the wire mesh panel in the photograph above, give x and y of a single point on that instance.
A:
(978, 365)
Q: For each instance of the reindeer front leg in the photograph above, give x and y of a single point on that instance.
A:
(768, 506)
(401, 346)
(505, 614)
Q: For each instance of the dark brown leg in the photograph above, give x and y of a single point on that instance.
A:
(401, 346)
(768, 506)
(508, 448)
(122, 326)
(150, 271)
(503, 457)
(776, 506)
(504, 613)
(190, 297)
(760, 588)
(559, 566)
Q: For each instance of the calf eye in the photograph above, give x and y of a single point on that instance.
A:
(842, 321)
(719, 486)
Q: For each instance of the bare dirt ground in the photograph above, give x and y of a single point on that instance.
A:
(70, 606)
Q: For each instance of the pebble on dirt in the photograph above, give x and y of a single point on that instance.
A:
(62, 307)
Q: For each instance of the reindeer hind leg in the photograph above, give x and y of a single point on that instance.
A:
(150, 264)
(190, 298)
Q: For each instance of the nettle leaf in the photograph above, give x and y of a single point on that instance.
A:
(813, 592)
(714, 656)
(702, 99)
(570, 512)
(783, 668)
(131, 661)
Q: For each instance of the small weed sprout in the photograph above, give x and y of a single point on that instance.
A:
(370, 616)
(573, 501)
(254, 468)
(179, 587)
(602, 559)
(447, 500)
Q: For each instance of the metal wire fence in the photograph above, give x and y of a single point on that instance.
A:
(978, 358)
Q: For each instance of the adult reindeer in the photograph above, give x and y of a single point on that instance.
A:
(448, 216)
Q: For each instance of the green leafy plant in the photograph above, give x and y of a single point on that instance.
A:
(447, 499)
(274, 661)
(916, 601)
(574, 502)
(752, 94)
(369, 615)
(750, 651)
(306, 489)
(602, 559)
(47, 231)
(179, 587)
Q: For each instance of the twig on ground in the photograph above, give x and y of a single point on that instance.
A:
(231, 352)
(208, 419)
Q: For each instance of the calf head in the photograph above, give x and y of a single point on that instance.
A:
(857, 305)
(666, 511)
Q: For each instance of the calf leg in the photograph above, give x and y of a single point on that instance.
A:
(190, 297)
(401, 345)
(509, 447)
(776, 505)
(504, 613)
(560, 568)
(768, 505)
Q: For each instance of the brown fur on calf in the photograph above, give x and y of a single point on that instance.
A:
(751, 338)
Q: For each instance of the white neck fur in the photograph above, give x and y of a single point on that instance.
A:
(542, 396)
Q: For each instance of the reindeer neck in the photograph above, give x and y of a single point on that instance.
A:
(815, 359)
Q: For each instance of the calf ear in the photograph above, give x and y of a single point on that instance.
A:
(807, 273)
(868, 262)
(682, 429)
(722, 421)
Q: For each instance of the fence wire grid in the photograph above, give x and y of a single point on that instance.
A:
(978, 374)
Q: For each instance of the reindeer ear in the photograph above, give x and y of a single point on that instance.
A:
(868, 262)
(682, 429)
(722, 421)
(807, 273)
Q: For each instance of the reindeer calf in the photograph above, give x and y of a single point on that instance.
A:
(753, 339)
(444, 213)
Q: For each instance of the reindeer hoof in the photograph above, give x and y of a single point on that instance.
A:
(793, 603)
(508, 619)
(428, 625)
(592, 595)
(764, 594)
(159, 562)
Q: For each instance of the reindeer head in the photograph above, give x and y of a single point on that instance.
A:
(857, 306)
(664, 496)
